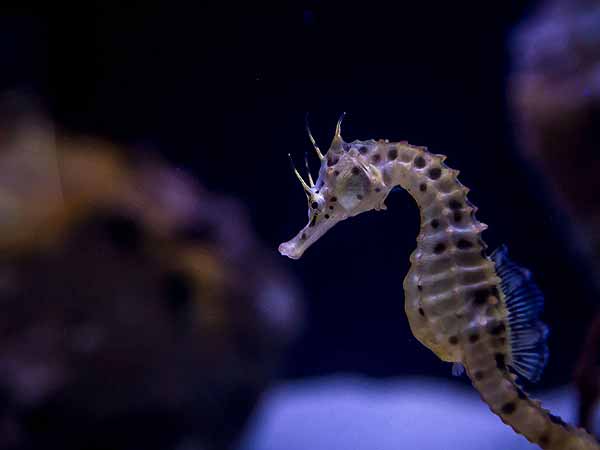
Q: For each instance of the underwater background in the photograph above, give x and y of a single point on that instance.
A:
(216, 95)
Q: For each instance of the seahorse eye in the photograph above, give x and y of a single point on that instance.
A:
(316, 204)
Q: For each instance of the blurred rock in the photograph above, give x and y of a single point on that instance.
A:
(138, 310)
(358, 413)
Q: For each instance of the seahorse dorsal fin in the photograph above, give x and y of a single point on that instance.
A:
(524, 302)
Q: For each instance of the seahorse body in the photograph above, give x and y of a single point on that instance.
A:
(468, 308)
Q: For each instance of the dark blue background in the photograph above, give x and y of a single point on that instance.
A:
(221, 91)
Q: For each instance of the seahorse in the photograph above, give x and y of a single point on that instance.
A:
(478, 311)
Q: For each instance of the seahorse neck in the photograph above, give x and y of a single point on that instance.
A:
(449, 272)
(441, 198)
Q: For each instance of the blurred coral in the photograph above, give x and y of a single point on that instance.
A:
(555, 94)
(138, 309)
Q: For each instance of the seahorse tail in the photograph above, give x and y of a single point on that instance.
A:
(497, 388)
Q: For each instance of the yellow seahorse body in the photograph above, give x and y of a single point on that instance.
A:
(466, 307)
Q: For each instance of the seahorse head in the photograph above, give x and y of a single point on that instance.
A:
(348, 184)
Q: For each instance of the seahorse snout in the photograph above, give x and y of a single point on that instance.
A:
(290, 249)
(295, 247)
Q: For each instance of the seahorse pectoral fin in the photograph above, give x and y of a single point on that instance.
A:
(458, 369)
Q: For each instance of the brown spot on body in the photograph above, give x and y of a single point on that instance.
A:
(303, 237)
(439, 248)
(355, 170)
(500, 361)
(422, 312)
(435, 223)
(392, 154)
(334, 199)
(544, 440)
(314, 205)
(454, 204)
(435, 173)
(482, 296)
(494, 292)
(453, 340)
(419, 162)
(457, 216)
(508, 408)
(464, 244)
(332, 162)
(423, 187)
(478, 375)
(497, 328)
(474, 338)
(376, 158)
(327, 216)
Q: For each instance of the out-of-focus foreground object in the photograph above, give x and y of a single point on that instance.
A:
(137, 309)
(555, 94)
